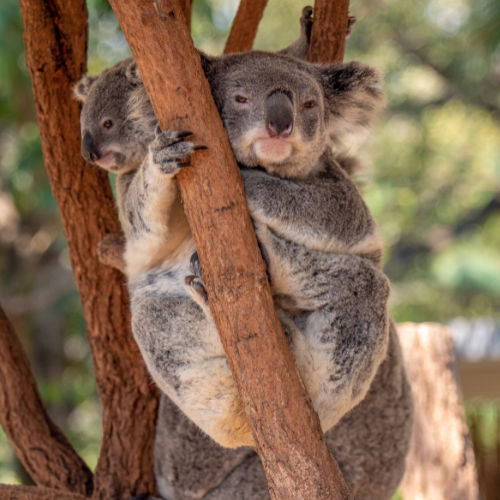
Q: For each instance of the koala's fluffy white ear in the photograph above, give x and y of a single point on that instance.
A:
(132, 74)
(353, 99)
(82, 87)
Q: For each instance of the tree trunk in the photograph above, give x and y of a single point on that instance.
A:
(245, 26)
(296, 457)
(329, 31)
(39, 444)
(55, 34)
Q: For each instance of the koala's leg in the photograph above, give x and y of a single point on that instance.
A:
(156, 226)
(372, 441)
(188, 463)
(341, 337)
(183, 352)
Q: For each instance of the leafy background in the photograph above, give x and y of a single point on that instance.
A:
(432, 181)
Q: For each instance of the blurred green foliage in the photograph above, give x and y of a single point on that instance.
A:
(432, 181)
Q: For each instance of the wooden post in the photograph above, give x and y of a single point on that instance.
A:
(296, 457)
(440, 464)
(55, 34)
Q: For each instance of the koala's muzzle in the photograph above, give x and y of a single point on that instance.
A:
(279, 115)
(89, 148)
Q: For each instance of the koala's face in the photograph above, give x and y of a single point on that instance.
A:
(113, 137)
(282, 114)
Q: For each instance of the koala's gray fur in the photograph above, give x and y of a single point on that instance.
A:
(323, 253)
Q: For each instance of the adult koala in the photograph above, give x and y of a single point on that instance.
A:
(323, 257)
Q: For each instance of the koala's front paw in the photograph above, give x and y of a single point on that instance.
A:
(168, 150)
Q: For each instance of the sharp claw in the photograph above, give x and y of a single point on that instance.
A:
(189, 280)
(184, 134)
(184, 164)
(157, 131)
(200, 148)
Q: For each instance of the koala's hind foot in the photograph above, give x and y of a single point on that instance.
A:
(169, 149)
(196, 287)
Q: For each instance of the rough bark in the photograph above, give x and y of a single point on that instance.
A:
(245, 26)
(293, 449)
(329, 31)
(38, 443)
(440, 465)
(186, 6)
(11, 492)
(56, 42)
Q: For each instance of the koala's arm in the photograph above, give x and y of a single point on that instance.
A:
(183, 353)
(323, 214)
(149, 200)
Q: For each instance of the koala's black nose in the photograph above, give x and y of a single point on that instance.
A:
(279, 115)
(89, 149)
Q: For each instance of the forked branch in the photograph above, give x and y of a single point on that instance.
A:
(38, 443)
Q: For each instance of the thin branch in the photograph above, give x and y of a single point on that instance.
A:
(296, 457)
(330, 27)
(56, 44)
(186, 6)
(38, 443)
(15, 492)
(245, 26)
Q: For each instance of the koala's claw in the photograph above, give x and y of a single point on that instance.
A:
(350, 22)
(197, 288)
(168, 150)
(306, 22)
(194, 264)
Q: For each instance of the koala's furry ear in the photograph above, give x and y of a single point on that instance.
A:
(132, 74)
(208, 64)
(82, 87)
(353, 99)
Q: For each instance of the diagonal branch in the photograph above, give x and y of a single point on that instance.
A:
(329, 31)
(55, 34)
(39, 444)
(296, 457)
(15, 492)
(245, 26)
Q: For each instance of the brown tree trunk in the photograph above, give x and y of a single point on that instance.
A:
(440, 464)
(55, 35)
(329, 31)
(245, 26)
(39, 444)
(296, 457)
(11, 492)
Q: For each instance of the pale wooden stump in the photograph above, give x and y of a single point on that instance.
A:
(440, 465)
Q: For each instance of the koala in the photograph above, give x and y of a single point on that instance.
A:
(323, 252)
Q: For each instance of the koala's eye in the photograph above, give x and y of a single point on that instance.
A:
(309, 104)
(107, 124)
(242, 99)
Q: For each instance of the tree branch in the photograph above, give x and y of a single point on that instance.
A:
(39, 444)
(186, 6)
(245, 26)
(296, 457)
(15, 492)
(329, 31)
(56, 43)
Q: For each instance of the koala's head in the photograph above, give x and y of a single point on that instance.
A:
(114, 136)
(282, 114)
